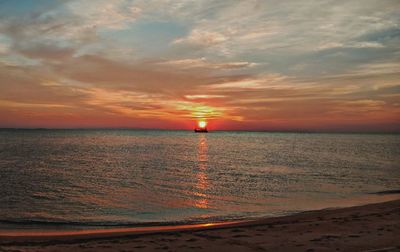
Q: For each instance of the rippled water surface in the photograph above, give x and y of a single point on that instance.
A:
(131, 177)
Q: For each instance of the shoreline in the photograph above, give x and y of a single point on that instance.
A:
(69, 229)
(379, 220)
(113, 232)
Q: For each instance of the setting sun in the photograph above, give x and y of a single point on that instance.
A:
(202, 124)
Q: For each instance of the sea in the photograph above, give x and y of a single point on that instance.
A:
(105, 178)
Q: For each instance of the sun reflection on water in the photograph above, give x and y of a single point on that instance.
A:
(201, 175)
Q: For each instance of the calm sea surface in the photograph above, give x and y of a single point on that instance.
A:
(97, 178)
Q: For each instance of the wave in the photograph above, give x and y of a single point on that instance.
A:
(387, 192)
(94, 224)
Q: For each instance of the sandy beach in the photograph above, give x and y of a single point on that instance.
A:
(374, 227)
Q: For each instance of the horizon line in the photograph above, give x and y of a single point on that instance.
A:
(217, 130)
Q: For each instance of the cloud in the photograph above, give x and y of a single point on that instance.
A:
(104, 14)
(203, 63)
(275, 31)
(196, 110)
(201, 38)
(196, 97)
(4, 45)
(3, 48)
(25, 89)
(119, 75)
(378, 68)
(256, 82)
(362, 44)
(49, 52)
(371, 70)
(74, 25)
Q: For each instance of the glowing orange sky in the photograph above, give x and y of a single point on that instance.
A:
(251, 65)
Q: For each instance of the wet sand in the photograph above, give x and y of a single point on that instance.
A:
(374, 227)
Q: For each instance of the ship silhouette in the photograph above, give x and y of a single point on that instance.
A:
(200, 130)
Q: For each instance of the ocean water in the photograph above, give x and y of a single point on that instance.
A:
(107, 178)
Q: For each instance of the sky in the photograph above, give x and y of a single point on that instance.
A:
(323, 65)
